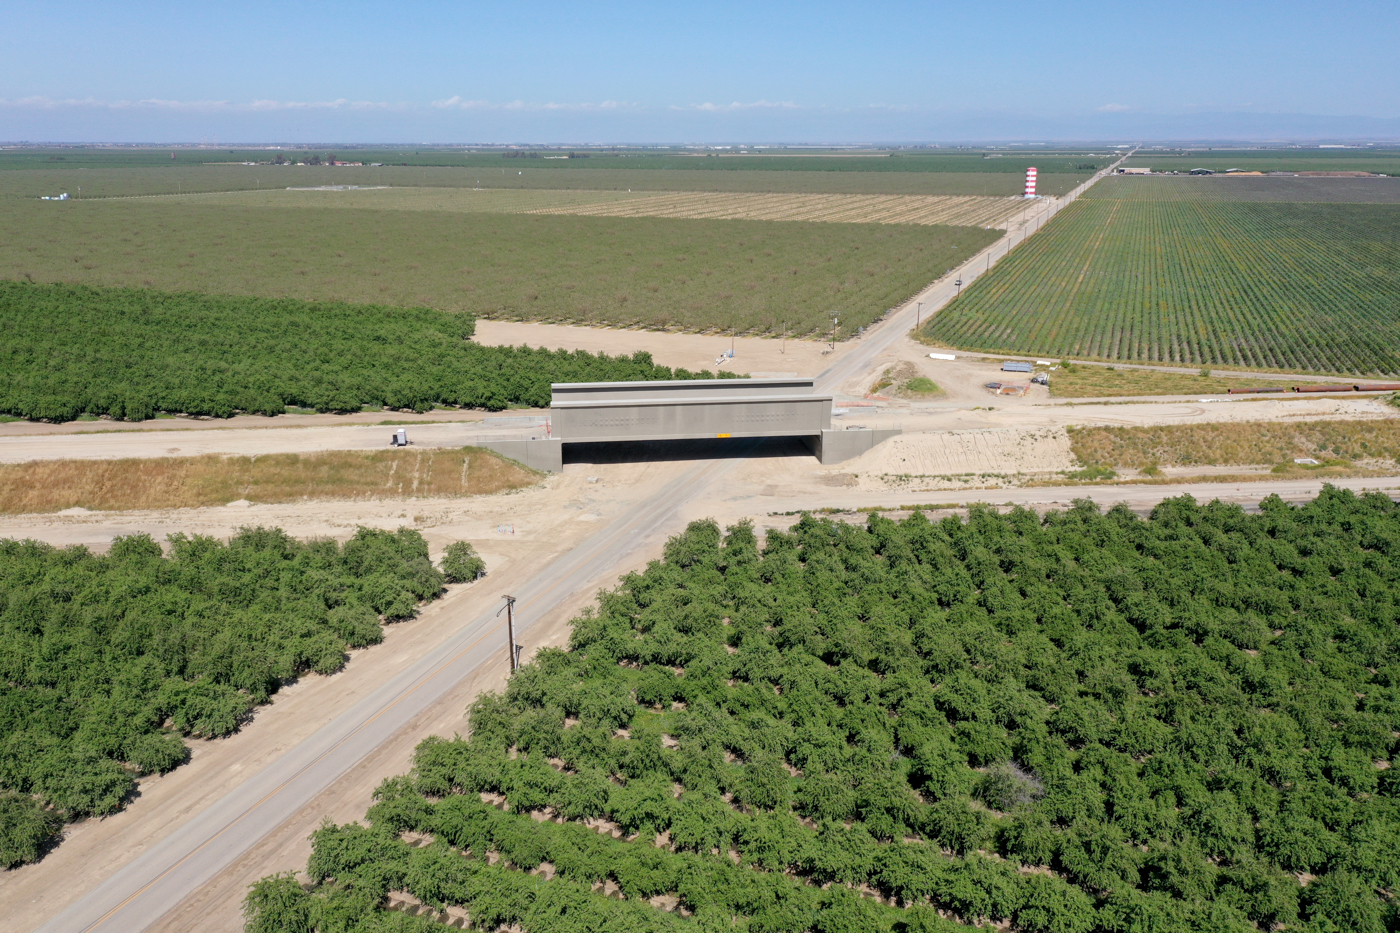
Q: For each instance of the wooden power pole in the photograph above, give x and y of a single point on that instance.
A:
(511, 646)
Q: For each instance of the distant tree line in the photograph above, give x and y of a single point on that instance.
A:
(1076, 723)
(129, 353)
(108, 662)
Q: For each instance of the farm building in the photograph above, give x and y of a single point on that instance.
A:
(1135, 171)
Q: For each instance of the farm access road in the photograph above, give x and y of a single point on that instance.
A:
(152, 887)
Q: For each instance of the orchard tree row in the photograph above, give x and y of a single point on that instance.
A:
(108, 662)
(1076, 723)
(129, 353)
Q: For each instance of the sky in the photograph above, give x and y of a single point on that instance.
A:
(655, 72)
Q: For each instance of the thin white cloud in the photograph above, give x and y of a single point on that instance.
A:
(456, 102)
(193, 106)
(49, 103)
(739, 105)
(1114, 108)
(453, 103)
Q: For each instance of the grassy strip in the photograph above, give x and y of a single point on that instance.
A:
(650, 271)
(1236, 444)
(212, 479)
(1071, 381)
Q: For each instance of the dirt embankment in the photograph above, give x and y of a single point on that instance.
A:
(212, 480)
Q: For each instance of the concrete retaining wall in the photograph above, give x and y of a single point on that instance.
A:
(838, 446)
(544, 454)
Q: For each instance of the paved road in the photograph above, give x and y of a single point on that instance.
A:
(156, 881)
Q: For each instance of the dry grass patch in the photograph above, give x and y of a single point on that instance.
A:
(1080, 381)
(1237, 444)
(823, 208)
(212, 480)
(451, 200)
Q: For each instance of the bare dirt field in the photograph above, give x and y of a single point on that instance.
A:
(752, 355)
(965, 454)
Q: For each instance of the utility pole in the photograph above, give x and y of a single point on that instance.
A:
(784, 350)
(512, 647)
(833, 332)
(919, 316)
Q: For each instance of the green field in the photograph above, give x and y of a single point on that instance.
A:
(106, 182)
(1247, 188)
(655, 272)
(1380, 161)
(1076, 723)
(1291, 286)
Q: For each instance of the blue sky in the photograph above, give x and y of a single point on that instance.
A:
(694, 72)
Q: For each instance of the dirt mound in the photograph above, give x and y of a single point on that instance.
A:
(963, 453)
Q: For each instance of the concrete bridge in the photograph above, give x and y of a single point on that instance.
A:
(693, 409)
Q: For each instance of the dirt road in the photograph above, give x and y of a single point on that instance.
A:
(248, 441)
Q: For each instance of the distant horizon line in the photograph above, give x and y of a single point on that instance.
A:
(975, 143)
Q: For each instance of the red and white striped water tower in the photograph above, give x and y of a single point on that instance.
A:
(1030, 182)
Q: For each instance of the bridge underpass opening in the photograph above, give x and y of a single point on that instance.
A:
(734, 448)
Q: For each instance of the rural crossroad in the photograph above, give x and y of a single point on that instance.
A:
(153, 883)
